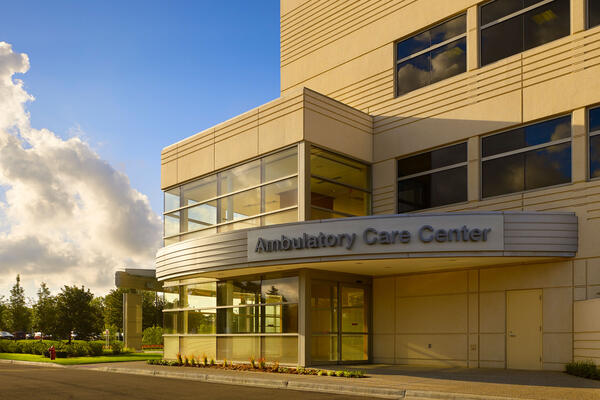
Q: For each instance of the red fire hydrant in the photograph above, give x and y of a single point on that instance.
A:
(52, 352)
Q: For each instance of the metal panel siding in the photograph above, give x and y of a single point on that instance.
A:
(547, 232)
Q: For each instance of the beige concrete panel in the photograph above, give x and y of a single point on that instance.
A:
(585, 316)
(580, 294)
(460, 124)
(428, 284)
(236, 149)
(593, 271)
(586, 336)
(383, 348)
(326, 131)
(578, 22)
(579, 145)
(168, 174)
(280, 132)
(558, 347)
(492, 348)
(492, 312)
(384, 173)
(199, 347)
(171, 347)
(473, 280)
(557, 309)
(472, 38)
(586, 353)
(527, 276)
(579, 272)
(473, 313)
(432, 347)
(593, 292)
(384, 305)
(473, 169)
(291, 7)
(432, 314)
(194, 164)
(561, 94)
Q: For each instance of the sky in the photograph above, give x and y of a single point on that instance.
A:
(90, 92)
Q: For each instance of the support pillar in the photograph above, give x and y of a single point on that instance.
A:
(132, 320)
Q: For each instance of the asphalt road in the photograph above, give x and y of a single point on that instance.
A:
(47, 383)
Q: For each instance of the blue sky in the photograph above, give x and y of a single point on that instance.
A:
(134, 76)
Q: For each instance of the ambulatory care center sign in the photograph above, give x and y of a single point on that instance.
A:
(379, 235)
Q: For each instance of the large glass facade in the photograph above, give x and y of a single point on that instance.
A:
(529, 157)
(339, 186)
(257, 193)
(432, 55)
(511, 26)
(255, 317)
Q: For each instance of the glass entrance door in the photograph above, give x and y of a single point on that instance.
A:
(339, 323)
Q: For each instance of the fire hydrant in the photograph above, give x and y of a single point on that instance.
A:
(52, 352)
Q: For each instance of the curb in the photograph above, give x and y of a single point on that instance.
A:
(33, 363)
(353, 389)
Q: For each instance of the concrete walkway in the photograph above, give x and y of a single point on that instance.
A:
(398, 382)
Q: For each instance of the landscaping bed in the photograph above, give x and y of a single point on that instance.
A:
(259, 365)
(583, 369)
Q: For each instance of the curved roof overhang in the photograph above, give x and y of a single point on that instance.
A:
(378, 245)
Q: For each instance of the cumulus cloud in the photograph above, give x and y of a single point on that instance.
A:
(67, 216)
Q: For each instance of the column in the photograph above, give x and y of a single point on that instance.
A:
(132, 320)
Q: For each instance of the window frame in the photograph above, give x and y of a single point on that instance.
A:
(524, 150)
(506, 18)
(221, 196)
(398, 61)
(429, 172)
(589, 135)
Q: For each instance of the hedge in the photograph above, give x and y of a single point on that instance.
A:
(75, 349)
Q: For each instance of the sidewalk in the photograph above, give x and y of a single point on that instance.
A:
(398, 382)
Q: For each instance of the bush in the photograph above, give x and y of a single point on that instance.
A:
(584, 369)
(152, 336)
(116, 347)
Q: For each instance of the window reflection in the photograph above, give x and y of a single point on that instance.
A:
(416, 70)
(279, 195)
(593, 13)
(172, 199)
(438, 158)
(338, 198)
(238, 178)
(594, 133)
(198, 191)
(525, 30)
(241, 205)
(200, 216)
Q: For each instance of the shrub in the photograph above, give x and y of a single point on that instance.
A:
(152, 336)
(330, 373)
(584, 369)
(95, 348)
(339, 373)
(116, 347)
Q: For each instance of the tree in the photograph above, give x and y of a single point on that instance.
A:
(113, 309)
(76, 312)
(19, 313)
(44, 311)
(152, 307)
(5, 319)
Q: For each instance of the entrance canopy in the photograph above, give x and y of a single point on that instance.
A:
(378, 245)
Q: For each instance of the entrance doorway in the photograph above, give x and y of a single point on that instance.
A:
(524, 329)
(339, 322)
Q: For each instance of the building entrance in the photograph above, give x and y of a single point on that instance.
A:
(339, 322)
(524, 329)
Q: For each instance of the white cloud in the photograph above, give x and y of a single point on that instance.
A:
(67, 216)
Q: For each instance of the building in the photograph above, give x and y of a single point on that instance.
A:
(425, 191)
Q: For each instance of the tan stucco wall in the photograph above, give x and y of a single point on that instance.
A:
(587, 330)
(462, 315)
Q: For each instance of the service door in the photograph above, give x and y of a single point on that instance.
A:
(524, 329)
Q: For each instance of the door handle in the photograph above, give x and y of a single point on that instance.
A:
(512, 334)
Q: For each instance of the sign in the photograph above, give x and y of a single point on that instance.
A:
(379, 235)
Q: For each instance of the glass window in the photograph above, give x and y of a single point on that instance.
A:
(339, 169)
(173, 322)
(593, 13)
(238, 320)
(594, 133)
(433, 179)
(239, 178)
(200, 295)
(280, 290)
(524, 29)
(283, 349)
(171, 297)
(341, 199)
(172, 199)
(423, 58)
(221, 198)
(524, 167)
(201, 321)
(235, 292)
(279, 165)
(198, 191)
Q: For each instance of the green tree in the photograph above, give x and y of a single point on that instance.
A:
(20, 315)
(152, 307)
(152, 335)
(5, 320)
(44, 311)
(113, 309)
(76, 311)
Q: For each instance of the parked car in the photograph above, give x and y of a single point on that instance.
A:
(6, 335)
(19, 335)
(37, 335)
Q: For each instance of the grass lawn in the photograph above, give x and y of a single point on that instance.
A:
(82, 360)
